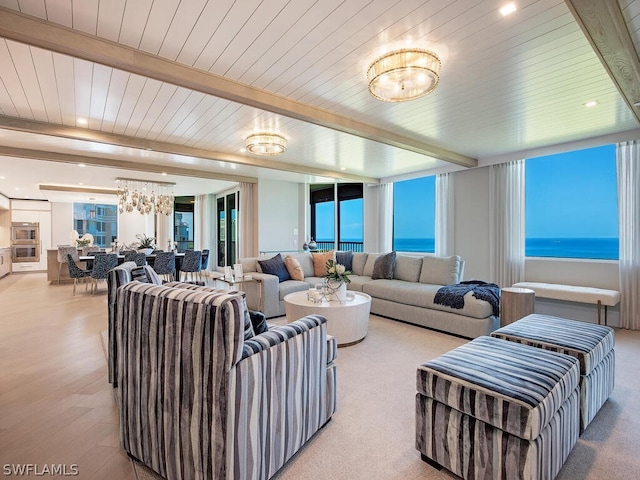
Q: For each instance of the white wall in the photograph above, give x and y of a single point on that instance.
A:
(61, 223)
(279, 216)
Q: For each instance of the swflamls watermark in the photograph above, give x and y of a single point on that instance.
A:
(46, 470)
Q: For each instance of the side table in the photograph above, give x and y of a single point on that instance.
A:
(516, 303)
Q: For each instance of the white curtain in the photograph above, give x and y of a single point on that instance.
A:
(385, 211)
(248, 220)
(444, 215)
(164, 231)
(201, 223)
(628, 171)
(506, 222)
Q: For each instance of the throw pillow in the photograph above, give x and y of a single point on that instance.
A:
(320, 262)
(152, 276)
(383, 266)
(259, 322)
(294, 268)
(248, 324)
(358, 262)
(275, 266)
(345, 258)
(139, 274)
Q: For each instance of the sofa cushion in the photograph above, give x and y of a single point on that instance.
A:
(357, 282)
(383, 266)
(358, 260)
(407, 268)
(345, 257)
(371, 261)
(422, 295)
(306, 262)
(320, 262)
(440, 270)
(291, 286)
(275, 266)
(294, 268)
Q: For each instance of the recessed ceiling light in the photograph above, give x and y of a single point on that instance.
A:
(508, 9)
(164, 174)
(2, 178)
(82, 121)
(80, 183)
(591, 103)
(82, 165)
(17, 188)
(343, 168)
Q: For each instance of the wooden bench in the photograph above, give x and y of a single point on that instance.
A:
(574, 293)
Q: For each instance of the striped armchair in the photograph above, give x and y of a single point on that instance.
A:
(200, 399)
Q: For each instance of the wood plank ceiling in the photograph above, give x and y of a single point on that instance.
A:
(179, 85)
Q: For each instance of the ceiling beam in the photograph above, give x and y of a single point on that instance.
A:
(121, 164)
(605, 28)
(33, 31)
(85, 134)
(67, 188)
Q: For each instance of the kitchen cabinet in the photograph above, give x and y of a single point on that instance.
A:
(33, 211)
(5, 261)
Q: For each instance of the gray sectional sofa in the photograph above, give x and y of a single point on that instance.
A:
(408, 296)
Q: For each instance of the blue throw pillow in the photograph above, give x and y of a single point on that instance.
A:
(345, 257)
(275, 266)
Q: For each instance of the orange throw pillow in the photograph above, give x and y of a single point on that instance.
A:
(320, 262)
(294, 268)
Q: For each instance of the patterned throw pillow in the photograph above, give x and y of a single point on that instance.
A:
(320, 262)
(259, 322)
(275, 266)
(383, 266)
(294, 268)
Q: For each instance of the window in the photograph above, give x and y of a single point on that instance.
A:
(349, 221)
(414, 215)
(183, 222)
(571, 205)
(101, 221)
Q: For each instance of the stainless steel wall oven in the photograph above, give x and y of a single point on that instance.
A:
(25, 242)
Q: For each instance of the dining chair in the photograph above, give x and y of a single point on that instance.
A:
(165, 265)
(102, 263)
(203, 264)
(191, 263)
(76, 272)
(63, 251)
(140, 258)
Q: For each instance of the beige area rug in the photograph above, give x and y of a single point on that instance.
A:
(371, 435)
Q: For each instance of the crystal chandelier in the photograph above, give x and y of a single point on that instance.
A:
(266, 144)
(404, 74)
(145, 196)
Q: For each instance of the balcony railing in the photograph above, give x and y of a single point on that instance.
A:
(354, 246)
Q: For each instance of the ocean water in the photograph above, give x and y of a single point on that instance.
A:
(591, 248)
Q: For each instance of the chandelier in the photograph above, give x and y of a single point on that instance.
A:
(403, 74)
(266, 144)
(145, 196)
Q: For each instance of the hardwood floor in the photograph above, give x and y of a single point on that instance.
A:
(57, 409)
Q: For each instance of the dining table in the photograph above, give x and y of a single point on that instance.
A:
(151, 257)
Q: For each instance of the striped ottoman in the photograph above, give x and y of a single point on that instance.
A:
(591, 344)
(497, 409)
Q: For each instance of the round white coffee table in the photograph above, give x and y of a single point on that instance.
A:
(348, 321)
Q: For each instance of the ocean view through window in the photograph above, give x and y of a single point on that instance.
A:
(571, 205)
(347, 224)
(414, 215)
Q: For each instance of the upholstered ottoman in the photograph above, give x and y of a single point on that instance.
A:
(591, 344)
(498, 409)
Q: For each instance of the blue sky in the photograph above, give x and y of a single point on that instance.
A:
(414, 208)
(572, 195)
(350, 221)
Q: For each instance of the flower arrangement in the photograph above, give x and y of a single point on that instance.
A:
(145, 242)
(337, 272)
(82, 242)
